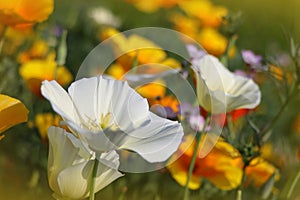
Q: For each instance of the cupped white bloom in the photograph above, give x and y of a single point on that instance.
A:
(220, 90)
(70, 166)
(108, 114)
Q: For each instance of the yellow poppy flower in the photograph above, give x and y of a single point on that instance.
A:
(222, 166)
(209, 14)
(12, 112)
(212, 41)
(136, 47)
(35, 71)
(186, 25)
(24, 12)
(38, 50)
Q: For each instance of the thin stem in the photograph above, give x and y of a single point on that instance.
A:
(93, 179)
(239, 195)
(2, 38)
(230, 127)
(193, 161)
(294, 183)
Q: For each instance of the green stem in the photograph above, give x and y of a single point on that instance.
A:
(294, 183)
(239, 195)
(93, 179)
(193, 161)
(2, 38)
(230, 127)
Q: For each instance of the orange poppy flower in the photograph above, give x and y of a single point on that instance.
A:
(24, 12)
(222, 166)
(259, 171)
(12, 112)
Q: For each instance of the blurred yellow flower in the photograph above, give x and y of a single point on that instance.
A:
(153, 5)
(222, 166)
(38, 50)
(209, 14)
(44, 120)
(15, 38)
(35, 71)
(186, 25)
(24, 12)
(280, 74)
(12, 112)
(212, 41)
(259, 171)
(136, 48)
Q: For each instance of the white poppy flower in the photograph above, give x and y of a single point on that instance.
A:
(70, 166)
(220, 90)
(108, 114)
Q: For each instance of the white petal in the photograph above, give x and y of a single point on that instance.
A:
(127, 108)
(246, 94)
(84, 95)
(97, 141)
(62, 154)
(163, 139)
(219, 90)
(74, 181)
(135, 80)
(59, 99)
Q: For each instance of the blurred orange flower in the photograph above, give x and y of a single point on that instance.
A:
(12, 112)
(168, 101)
(24, 12)
(35, 71)
(259, 171)
(152, 90)
(222, 166)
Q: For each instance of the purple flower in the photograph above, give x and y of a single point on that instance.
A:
(250, 58)
(194, 52)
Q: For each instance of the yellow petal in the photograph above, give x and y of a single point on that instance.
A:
(12, 112)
